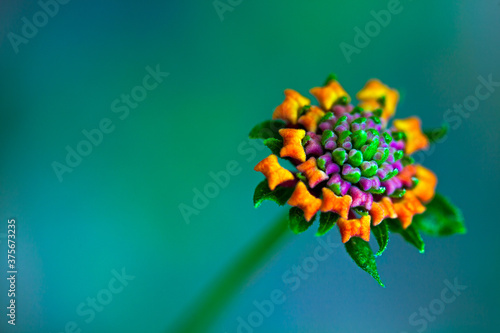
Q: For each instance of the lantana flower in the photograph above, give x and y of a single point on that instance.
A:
(353, 168)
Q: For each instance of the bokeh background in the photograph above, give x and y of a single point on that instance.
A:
(119, 208)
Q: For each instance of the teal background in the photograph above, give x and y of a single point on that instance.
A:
(120, 207)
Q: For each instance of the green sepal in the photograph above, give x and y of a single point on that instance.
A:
(371, 149)
(362, 254)
(361, 210)
(297, 222)
(325, 136)
(407, 160)
(274, 145)
(357, 109)
(340, 120)
(377, 112)
(398, 135)
(326, 222)
(387, 137)
(441, 218)
(375, 119)
(359, 139)
(304, 110)
(399, 193)
(410, 234)
(379, 190)
(280, 195)
(384, 157)
(381, 232)
(435, 134)
(331, 77)
(267, 129)
(326, 117)
(390, 175)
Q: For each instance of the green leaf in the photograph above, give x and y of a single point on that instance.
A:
(441, 218)
(275, 145)
(280, 195)
(436, 134)
(410, 234)
(297, 222)
(326, 222)
(267, 129)
(361, 252)
(381, 232)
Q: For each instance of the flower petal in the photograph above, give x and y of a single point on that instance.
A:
(312, 173)
(311, 118)
(304, 200)
(376, 95)
(426, 186)
(336, 204)
(292, 143)
(329, 94)
(382, 210)
(354, 228)
(290, 108)
(274, 172)
(415, 139)
(407, 207)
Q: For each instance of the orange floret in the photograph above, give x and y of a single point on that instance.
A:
(311, 118)
(407, 207)
(407, 174)
(274, 172)
(333, 203)
(329, 94)
(376, 95)
(354, 228)
(426, 186)
(292, 143)
(312, 173)
(290, 108)
(415, 139)
(382, 210)
(304, 200)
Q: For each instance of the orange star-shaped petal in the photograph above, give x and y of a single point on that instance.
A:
(376, 95)
(304, 200)
(333, 203)
(427, 182)
(354, 228)
(301, 100)
(407, 207)
(274, 172)
(329, 94)
(312, 173)
(415, 139)
(289, 110)
(311, 118)
(406, 175)
(292, 143)
(382, 210)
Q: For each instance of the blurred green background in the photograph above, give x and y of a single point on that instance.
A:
(119, 207)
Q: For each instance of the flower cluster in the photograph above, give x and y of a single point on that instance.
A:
(349, 160)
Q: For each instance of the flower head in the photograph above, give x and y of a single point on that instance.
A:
(352, 165)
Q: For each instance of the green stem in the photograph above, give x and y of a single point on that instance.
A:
(222, 290)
